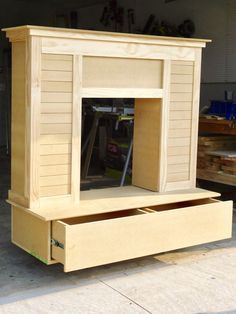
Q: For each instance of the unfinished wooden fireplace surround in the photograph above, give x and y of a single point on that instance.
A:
(53, 69)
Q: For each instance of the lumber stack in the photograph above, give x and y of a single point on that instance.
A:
(217, 155)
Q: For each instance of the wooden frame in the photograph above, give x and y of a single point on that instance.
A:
(55, 69)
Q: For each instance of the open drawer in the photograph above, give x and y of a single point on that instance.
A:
(89, 241)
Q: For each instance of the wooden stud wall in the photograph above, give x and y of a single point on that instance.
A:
(180, 121)
(56, 124)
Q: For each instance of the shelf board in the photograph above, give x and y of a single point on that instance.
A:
(217, 126)
(218, 177)
(116, 199)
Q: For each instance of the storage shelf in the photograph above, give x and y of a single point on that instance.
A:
(217, 126)
(218, 177)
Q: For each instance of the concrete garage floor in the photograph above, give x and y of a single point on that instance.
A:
(201, 279)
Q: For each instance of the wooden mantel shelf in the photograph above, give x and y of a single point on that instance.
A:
(116, 199)
(217, 126)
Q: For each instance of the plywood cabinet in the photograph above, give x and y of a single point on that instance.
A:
(53, 70)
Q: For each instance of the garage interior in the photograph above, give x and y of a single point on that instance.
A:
(192, 280)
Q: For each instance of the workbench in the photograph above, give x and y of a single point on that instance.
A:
(53, 70)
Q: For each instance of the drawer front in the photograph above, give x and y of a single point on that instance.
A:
(101, 242)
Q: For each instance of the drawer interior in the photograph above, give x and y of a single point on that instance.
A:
(134, 212)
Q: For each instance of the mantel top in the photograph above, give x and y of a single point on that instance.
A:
(21, 32)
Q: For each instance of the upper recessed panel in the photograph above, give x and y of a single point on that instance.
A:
(103, 72)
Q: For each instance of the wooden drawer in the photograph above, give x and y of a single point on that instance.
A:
(89, 241)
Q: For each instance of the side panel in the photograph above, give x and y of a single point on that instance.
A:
(18, 118)
(56, 125)
(180, 124)
(31, 234)
(146, 148)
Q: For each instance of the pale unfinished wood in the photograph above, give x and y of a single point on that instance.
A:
(34, 46)
(52, 86)
(125, 73)
(181, 78)
(113, 240)
(54, 170)
(55, 139)
(115, 49)
(180, 115)
(164, 128)
(59, 76)
(181, 168)
(52, 64)
(55, 72)
(146, 167)
(185, 105)
(55, 160)
(14, 33)
(105, 200)
(176, 124)
(121, 93)
(18, 148)
(179, 142)
(55, 180)
(52, 191)
(55, 57)
(56, 97)
(182, 68)
(56, 118)
(177, 177)
(163, 75)
(179, 133)
(181, 97)
(76, 128)
(31, 234)
(195, 116)
(181, 88)
(178, 159)
(55, 128)
(56, 108)
(55, 149)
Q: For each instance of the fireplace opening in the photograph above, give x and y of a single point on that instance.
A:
(120, 143)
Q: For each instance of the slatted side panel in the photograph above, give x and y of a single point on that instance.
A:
(180, 121)
(56, 125)
(18, 157)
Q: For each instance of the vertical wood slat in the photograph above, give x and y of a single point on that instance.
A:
(18, 148)
(165, 109)
(195, 113)
(33, 113)
(76, 127)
